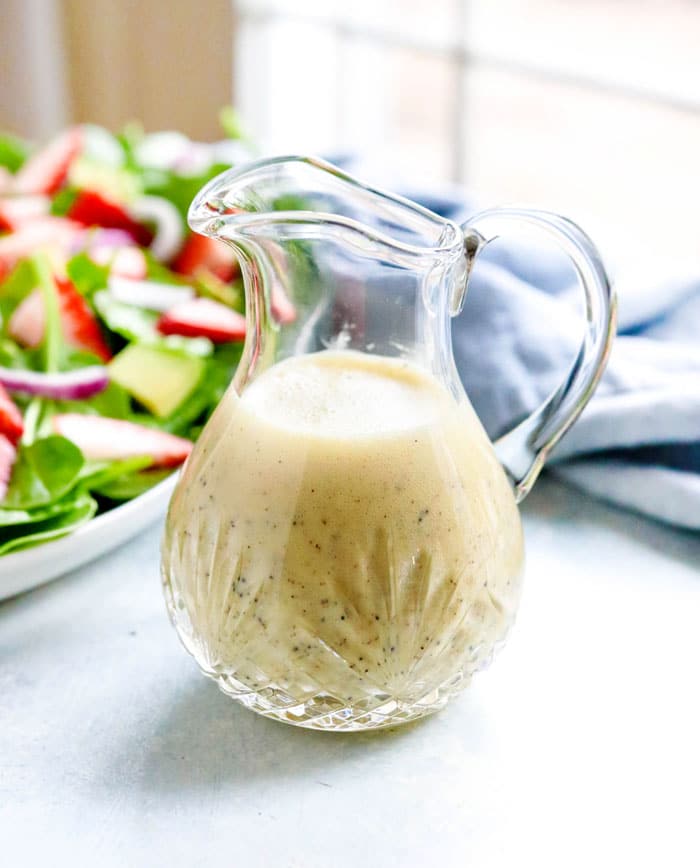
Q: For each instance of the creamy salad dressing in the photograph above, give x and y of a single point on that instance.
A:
(342, 528)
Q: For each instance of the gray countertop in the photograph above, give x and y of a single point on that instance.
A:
(580, 746)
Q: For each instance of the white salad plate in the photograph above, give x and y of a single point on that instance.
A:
(20, 571)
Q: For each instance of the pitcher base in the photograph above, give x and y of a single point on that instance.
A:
(327, 712)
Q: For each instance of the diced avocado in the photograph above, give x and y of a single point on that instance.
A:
(158, 378)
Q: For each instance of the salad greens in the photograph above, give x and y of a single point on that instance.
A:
(77, 511)
(13, 152)
(72, 226)
(45, 471)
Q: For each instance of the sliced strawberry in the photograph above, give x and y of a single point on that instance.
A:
(79, 325)
(17, 210)
(102, 439)
(203, 318)
(28, 320)
(94, 209)
(201, 252)
(8, 454)
(123, 261)
(282, 308)
(46, 170)
(11, 424)
(40, 233)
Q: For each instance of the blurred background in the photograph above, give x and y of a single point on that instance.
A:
(590, 107)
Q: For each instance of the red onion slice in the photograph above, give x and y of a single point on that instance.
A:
(65, 386)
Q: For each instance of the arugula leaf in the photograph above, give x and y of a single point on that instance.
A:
(13, 152)
(44, 472)
(30, 274)
(33, 417)
(13, 356)
(53, 331)
(77, 512)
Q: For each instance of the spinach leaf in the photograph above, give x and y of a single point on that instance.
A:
(14, 517)
(78, 511)
(131, 485)
(113, 402)
(78, 358)
(99, 473)
(44, 472)
(87, 276)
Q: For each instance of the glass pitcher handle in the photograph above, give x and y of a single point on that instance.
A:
(524, 450)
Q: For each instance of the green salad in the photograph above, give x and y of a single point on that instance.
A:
(119, 328)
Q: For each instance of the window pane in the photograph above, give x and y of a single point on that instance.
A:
(627, 166)
(648, 44)
(330, 84)
(432, 22)
(585, 106)
(401, 110)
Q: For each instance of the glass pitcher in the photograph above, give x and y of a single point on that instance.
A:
(343, 549)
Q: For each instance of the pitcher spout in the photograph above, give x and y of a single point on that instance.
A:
(329, 262)
(297, 196)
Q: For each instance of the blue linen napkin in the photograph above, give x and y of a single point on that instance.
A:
(637, 444)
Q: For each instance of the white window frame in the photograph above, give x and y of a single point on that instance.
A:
(330, 27)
